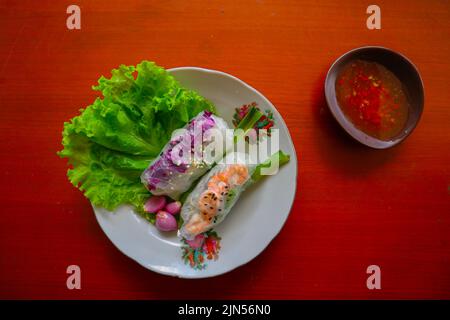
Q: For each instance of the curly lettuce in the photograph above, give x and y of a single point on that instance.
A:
(113, 140)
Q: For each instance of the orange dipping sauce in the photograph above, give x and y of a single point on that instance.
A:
(372, 98)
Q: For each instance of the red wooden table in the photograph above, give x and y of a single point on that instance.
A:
(355, 206)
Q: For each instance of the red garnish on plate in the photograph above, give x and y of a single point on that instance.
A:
(266, 122)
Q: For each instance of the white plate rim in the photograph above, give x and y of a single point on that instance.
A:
(293, 158)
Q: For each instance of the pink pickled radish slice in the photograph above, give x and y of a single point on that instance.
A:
(197, 242)
(154, 204)
(173, 207)
(165, 221)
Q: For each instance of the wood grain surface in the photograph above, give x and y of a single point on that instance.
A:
(355, 206)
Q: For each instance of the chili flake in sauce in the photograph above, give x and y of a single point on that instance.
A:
(372, 98)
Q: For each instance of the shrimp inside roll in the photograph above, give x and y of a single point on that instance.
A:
(214, 196)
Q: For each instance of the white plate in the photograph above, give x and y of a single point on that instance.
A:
(253, 222)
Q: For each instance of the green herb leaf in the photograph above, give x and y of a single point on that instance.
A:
(279, 156)
(113, 140)
(247, 123)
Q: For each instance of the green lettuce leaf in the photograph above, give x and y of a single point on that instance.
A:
(113, 140)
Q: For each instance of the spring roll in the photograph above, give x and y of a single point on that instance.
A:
(173, 172)
(216, 193)
(214, 196)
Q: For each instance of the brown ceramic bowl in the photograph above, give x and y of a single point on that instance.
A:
(405, 71)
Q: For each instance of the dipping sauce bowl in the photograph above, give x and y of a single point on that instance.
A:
(402, 68)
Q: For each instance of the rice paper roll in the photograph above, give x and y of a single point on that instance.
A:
(181, 161)
(215, 195)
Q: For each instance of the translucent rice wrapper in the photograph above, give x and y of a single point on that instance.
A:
(181, 161)
(215, 195)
